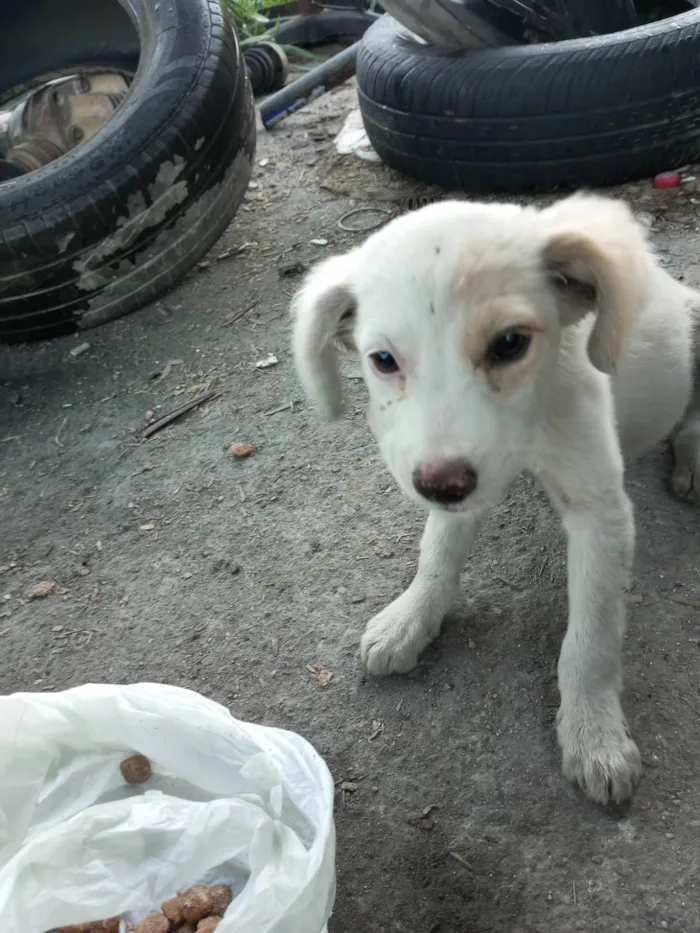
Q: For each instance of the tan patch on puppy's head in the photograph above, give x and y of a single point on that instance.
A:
(490, 306)
(488, 322)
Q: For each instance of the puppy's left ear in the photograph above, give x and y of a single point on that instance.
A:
(598, 260)
(323, 311)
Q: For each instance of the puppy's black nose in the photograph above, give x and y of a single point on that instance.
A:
(446, 482)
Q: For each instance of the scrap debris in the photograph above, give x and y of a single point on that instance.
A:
(376, 217)
(57, 438)
(234, 252)
(421, 819)
(79, 350)
(377, 729)
(270, 360)
(288, 407)
(167, 369)
(348, 786)
(320, 674)
(684, 600)
(461, 860)
(291, 268)
(176, 413)
(233, 316)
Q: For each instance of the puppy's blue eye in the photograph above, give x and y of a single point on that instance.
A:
(508, 347)
(384, 362)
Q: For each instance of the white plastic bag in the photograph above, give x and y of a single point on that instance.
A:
(227, 801)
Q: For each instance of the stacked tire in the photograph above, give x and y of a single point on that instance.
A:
(585, 112)
(116, 221)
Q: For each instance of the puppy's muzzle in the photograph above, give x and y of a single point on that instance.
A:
(446, 482)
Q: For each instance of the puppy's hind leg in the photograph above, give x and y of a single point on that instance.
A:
(685, 442)
(396, 636)
(685, 479)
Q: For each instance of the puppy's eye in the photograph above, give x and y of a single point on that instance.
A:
(508, 347)
(384, 363)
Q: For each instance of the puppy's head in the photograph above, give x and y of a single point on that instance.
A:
(456, 312)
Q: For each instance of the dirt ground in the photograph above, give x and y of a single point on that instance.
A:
(174, 562)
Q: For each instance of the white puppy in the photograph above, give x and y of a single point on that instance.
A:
(495, 339)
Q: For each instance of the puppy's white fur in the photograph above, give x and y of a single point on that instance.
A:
(608, 374)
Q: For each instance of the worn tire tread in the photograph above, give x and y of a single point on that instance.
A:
(584, 112)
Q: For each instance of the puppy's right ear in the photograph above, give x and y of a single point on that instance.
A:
(324, 314)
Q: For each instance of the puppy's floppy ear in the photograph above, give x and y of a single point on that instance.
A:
(598, 259)
(324, 314)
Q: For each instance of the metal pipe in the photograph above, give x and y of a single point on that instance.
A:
(299, 93)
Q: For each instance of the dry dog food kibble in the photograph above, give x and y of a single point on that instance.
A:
(199, 909)
(208, 925)
(135, 770)
(154, 923)
(173, 911)
(196, 903)
(95, 926)
(221, 897)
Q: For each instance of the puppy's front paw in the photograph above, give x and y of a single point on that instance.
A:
(396, 636)
(598, 752)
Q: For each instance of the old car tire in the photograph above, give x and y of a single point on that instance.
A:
(325, 26)
(584, 112)
(113, 223)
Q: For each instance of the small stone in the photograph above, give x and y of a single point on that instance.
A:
(669, 835)
(41, 590)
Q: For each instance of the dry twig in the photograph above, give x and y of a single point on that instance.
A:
(176, 413)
